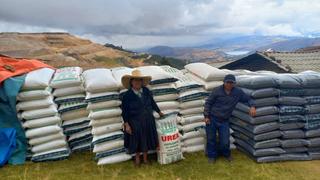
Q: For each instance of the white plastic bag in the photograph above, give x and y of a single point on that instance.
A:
(38, 79)
(99, 80)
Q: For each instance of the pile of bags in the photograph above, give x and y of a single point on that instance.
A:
(82, 111)
(311, 84)
(191, 120)
(287, 123)
(40, 118)
(209, 77)
(291, 117)
(70, 96)
(258, 136)
(102, 95)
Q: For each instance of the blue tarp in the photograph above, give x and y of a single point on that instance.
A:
(8, 117)
(7, 144)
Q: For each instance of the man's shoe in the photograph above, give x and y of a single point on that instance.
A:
(229, 159)
(211, 160)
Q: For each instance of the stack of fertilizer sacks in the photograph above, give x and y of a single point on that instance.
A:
(311, 84)
(191, 120)
(69, 94)
(163, 89)
(102, 95)
(258, 136)
(287, 123)
(165, 94)
(209, 77)
(292, 116)
(40, 118)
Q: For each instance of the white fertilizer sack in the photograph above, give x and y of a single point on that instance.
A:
(99, 80)
(192, 127)
(106, 129)
(35, 104)
(193, 141)
(38, 79)
(103, 105)
(68, 91)
(159, 76)
(190, 119)
(195, 148)
(168, 105)
(40, 113)
(105, 146)
(192, 104)
(108, 113)
(193, 134)
(169, 140)
(107, 137)
(114, 159)
(75, 121)
(166, 97)
(34, 94)
(47, 121)
(207, 85)
(196, 110)
(103, 122)
(71, 115)
(49, 146)
(47, 138)
(67, 77)
(80, 134)
(105, 96)
(42, 131)
(206, 72)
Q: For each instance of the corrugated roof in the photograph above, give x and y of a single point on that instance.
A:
(296, 61)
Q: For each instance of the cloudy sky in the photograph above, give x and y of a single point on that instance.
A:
(142, 23)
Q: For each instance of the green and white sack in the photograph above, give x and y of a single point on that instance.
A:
(169, 140)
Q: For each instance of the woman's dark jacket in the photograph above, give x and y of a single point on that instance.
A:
(138, 112)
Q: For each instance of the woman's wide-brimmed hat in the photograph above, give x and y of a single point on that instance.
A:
(135, 74)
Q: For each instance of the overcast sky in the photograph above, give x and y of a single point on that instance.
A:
(142, 23)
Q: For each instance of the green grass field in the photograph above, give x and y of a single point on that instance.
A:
(194, 166)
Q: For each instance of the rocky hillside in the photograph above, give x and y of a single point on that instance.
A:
(63, 49)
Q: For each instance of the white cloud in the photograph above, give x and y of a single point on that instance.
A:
(142, 23)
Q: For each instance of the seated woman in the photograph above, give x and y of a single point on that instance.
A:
(137, 112)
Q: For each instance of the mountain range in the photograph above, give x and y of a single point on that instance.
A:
(234, 48)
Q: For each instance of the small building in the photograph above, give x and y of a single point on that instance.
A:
(280, 62)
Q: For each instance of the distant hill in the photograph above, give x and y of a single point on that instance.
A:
(234, 48)
(292, 44)
(189, 54)
(243, 43)
(309, 49)
(64, 49)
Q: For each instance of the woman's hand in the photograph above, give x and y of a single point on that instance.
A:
(161, 114)
(127, 128)
(207, 120)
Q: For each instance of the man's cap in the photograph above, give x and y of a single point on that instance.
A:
(230, 78)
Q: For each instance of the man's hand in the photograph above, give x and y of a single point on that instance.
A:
(207, 120)
(252, 111)
(127, 128)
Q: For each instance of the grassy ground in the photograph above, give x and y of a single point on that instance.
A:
(195, 166)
